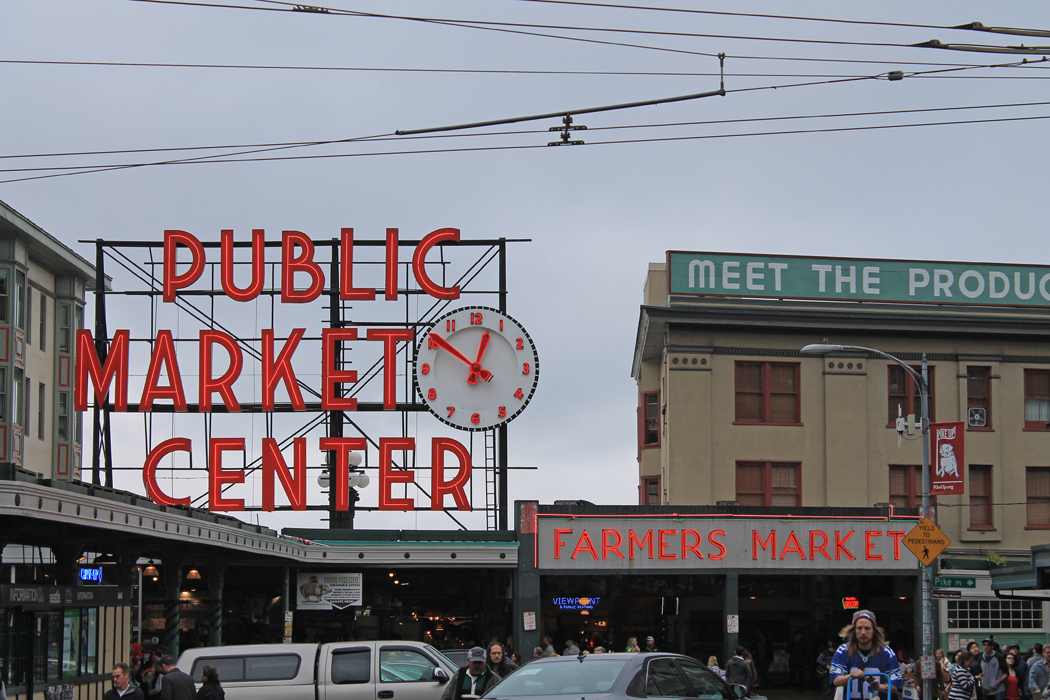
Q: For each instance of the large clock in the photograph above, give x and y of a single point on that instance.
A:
(476, 368)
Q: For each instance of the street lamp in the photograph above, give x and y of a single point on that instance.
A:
(922, 382)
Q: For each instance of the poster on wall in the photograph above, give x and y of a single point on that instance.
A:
(328, 591)
(947, 459)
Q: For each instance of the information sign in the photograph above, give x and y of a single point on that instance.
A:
(926, 541)
(733, 624)
(946, 593)
(954, 582)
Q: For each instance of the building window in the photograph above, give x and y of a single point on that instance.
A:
(4, 405)
(995, 614)
(20, 300)
(1038, 497)
(981, 497)
(979, 397)
(29, 317)
(43, 322)
(905, 396)
(63, 415)
(40, 406)
(17, 398)
(3, 296)
(650, 420)
(905, 485)
(64, 320)
(1037, 399)
(768, 484)
(767, 392)
(650, 495)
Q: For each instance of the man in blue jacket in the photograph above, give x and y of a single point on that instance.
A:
(864, 655)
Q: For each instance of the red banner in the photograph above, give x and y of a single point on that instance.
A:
(947, 458)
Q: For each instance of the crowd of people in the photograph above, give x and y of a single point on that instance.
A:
(152, 675)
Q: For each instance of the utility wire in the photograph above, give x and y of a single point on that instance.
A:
(519, 132)
(535, 146)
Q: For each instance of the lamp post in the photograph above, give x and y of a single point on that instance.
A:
(922, 382)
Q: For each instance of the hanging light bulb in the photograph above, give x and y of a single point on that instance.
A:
(151, 570)
(194, 575)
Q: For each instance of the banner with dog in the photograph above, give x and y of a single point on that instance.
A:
(947, 461)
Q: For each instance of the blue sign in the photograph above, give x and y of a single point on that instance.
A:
(91, 574)
(576, 603)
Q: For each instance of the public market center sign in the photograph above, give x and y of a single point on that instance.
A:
(859, 279)
(609, 543)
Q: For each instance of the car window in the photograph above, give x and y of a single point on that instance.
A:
(271, 667)
(705, 685)
(404, 666)
(230, 668)
(352, 666)
(664, 681)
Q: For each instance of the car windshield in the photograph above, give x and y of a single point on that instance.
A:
(560, 678)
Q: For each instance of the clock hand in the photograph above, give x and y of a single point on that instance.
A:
(485, 374)
(444, 344)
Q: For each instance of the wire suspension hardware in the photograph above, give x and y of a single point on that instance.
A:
(566, 136)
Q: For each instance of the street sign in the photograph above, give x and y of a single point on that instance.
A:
(929, 667)
(954, 582)
(733, 624)
(926, 541)
(946, 593)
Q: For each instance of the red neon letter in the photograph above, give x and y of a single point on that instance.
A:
(332, 377)
(419, 260)
(149, 471)
(770, 543)
(223, 384)
(273, 372)
(614, 547)
(391, 264)
(388, 477)
(116, 366)
(692, 547)
(664, 544)
(346, 272)
(173, 281)
(273, 463)
(840, 545)
(389, 336)
(558, 544)
(813, 548)
(585, 545)
(341, 481)
(304, 262)
(438, 486)
(793, 545)
(258, 266)
(163, 354)
(721, 547)
(869, 545)
(897, 535)
(217, 477)
(632, 541)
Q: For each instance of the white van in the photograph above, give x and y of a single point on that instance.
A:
(395, 670)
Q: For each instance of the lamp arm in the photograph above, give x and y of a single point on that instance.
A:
(919, 381)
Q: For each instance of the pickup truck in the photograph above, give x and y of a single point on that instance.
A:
(395, 670)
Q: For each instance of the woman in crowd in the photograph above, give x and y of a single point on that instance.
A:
(962, 680)
(1014, 688)
(712, 663)
(212, 688)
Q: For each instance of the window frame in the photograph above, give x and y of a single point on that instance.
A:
(767, 392)
(643, 490)
(41, 409)
(643, 419)
(43, 322)
(990, 484)
(1033, 425)
(1029, 499)
(767, 480)
(987, 398)
(911, 392)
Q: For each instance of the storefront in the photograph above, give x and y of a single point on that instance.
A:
(700, 580)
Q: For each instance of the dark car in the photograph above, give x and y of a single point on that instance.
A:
(616, 677)
(458, 657)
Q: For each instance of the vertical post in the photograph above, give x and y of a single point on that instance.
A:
(172, 610)
(336, 519)
(730, 606)
(100, 441)
(139, 607)
(927, 571)
(502, 459)
(526, 582)
(216, 582)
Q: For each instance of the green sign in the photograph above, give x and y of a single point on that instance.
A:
(954, 582)
(915, 281)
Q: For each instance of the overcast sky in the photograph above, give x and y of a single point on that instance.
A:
(597, 214)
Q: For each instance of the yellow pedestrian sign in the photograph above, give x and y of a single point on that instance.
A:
(926, 541)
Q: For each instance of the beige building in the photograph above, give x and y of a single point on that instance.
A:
(730, 411)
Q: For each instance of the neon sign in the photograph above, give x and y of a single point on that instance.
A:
(850, 603)
(91, 574)
(576, 603)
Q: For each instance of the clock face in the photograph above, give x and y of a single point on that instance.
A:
(476, 368)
